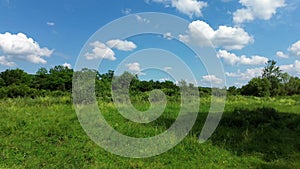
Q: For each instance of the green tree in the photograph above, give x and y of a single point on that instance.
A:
(84, 83)
(271, 70)
(274, 76)
(169, 88)
(42, 71)
(293, 86)
(233, 90)
(107, 76)
(123, 81)
(60, 78)
(16, 77)
(2, 82)
(257, 87)
(121, 86)
(42, 80)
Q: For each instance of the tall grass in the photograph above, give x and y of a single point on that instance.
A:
(45, 133)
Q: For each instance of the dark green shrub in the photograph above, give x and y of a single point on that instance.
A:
(3, 92)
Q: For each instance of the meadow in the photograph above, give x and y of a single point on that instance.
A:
(254, 132)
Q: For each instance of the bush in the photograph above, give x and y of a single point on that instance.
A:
(14, 91)
(3, 92)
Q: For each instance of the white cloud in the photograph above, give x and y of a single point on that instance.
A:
(167, 68)
(126, 11)
(295, 49)
(297, 66)
(247, 75)
(164, 79)
(135, 68)
(104, 51)
(68, 65)
(141, 19)
(261, 9)
(100, 51)
(293, 69)
(121, 45)
(239, 85)
(50, 23)
(213, 79)
(287, 68)
(158, 1)
(231, 38)
(187, 7)
(200, 33)
(5, 62)
(281, 54)
(242, 15)
(233, 59)
(168, 36)
(19, 46)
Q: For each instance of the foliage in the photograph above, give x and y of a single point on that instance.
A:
(58, 79)
(257, 87)
(17, 83)
(271, 83)
(14, 77)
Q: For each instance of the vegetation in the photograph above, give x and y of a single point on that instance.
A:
(272, 83)
(39, 128)
(45, 132)
(58, 82)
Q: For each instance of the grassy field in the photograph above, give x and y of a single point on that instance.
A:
(253, 133)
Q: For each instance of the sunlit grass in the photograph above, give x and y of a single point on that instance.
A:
(45, 132)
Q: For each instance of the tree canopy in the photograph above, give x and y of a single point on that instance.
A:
(59, 80)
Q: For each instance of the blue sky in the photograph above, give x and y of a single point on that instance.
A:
(244, 33)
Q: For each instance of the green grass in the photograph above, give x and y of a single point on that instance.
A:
(45, 132)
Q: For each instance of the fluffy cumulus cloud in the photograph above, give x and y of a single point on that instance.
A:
(293, 69)
(246, 75)
(135, 68)
(68, 65)
(213, 79)
(104, 50)
(280, 54)
(20, 47)
(233, 59)
(5, 62)
(261, 9)
(187, 7)
(229, 38)
(295, 49)
(121, 45)
(100, 51)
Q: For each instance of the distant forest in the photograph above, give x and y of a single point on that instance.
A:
(58, 82)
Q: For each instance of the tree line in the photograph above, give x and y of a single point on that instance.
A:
(58, 81)
(272, 82)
